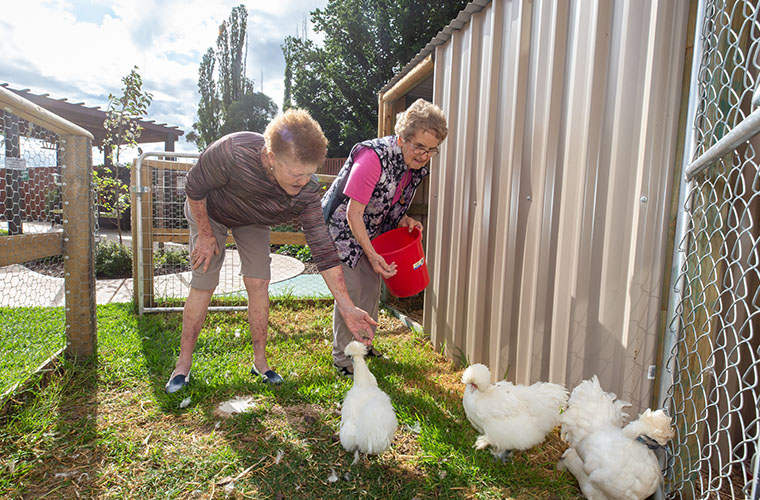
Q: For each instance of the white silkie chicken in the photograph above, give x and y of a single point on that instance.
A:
(368, 421)
(508, 416)
(609, 461)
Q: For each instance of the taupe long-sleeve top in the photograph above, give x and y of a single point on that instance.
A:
(230, 176)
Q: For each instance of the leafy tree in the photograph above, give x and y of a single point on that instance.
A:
(365, 43)
(286, 97)
(231, 51)
(252, 112)
(122, 130)
(210, 115)
(312, 90)
(228, 102)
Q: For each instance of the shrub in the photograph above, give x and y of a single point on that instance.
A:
(300, 252)
(171, 257)
(113, 260)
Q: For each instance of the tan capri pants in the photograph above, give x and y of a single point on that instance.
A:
(363, 285)
(253, 248)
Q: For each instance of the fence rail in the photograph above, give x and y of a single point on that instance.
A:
(332, 166)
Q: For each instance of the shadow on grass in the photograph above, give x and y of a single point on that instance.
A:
(159, 343)
(56, 449)
(108, 430)
(297, 454)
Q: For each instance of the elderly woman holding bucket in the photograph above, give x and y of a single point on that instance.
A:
(370, 196)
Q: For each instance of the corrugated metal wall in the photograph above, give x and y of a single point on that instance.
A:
(550, 201)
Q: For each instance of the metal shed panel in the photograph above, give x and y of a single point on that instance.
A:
(550, 199)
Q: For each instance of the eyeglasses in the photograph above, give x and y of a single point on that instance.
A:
(288, 171)
(420, 150)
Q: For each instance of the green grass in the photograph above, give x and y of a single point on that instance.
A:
(29, 336)
(105, 428)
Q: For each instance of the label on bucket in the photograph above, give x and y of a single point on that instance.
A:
(419, 263)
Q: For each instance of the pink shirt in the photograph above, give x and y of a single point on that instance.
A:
(364, 176)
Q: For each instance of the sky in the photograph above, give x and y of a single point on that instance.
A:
(80, 50)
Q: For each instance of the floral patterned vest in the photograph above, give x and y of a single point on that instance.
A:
(381, 214)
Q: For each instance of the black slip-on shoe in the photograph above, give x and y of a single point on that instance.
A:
(176, 382)
(374, 353)
(269, 377)
(344, 371)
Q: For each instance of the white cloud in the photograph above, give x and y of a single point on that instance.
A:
(80, 49)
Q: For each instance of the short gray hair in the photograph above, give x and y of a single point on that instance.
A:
(421, 115)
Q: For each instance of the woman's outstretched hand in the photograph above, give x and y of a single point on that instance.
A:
(359, 324)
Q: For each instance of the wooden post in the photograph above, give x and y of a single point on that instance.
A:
(78, 246)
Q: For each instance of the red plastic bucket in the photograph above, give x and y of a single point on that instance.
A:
(405, 249)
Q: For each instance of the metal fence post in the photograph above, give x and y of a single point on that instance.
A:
(681, 238)
(142, 241)
(756, 477)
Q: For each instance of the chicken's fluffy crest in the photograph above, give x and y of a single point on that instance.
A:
(478, 375)
(657, 425)
(355, 348)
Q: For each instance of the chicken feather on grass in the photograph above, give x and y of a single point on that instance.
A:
(508, 416)
(368, 421)
(612, 462)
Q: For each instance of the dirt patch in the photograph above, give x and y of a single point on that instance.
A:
(298, 417)
(727, 487)
(405, 451)
(548, 452)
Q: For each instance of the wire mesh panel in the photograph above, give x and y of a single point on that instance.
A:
(715, 362)
(161, 244)
(46, 230)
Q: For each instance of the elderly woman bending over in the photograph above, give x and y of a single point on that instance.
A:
(244, 183)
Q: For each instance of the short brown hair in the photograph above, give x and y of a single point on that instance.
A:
(297, 135)
(421, 115)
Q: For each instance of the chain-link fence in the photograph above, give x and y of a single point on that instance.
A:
(47, 301)
(712, 357)
(160, 244)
